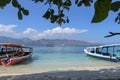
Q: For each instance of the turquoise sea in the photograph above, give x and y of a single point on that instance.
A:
(56, 58)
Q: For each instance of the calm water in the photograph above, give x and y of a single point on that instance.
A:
(57, 58)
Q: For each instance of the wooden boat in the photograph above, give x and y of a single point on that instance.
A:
(106, 52)
(14, 53)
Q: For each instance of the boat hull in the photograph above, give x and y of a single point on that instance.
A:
(14, 60)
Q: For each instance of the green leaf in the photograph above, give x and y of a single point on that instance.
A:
(59, 21)
(67, 20)
(38, 1)
(115, 6)
(57, 2)
(76, 1)
(116, 19)
(16, 4)
(67, 3)
(61, 14)
(86, 2)
(25, 12)
(102, 8)
(20, 15)
(3, 3)
(7, 1)
(52, 11)
(80, 4)
(67, 7)
(53, 18)
(47, 14)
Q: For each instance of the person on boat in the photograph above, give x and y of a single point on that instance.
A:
(2, 50)
(5, 60)
(8, 58)
(97, 50)
(18, 52)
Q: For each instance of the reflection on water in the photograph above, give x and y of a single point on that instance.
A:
(27, 61)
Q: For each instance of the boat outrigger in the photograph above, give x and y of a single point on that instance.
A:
(11, 54)
(107, 52)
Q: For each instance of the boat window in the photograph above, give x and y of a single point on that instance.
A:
(98, 50)
(117, 52)
(26, 49)
(106, 51)
(92, 50)
(103, 50)
(3, 49)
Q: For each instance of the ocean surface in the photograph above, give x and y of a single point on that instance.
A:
(56, 58)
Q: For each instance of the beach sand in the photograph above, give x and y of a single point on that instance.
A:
(92, 73)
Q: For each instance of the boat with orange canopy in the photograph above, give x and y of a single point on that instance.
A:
(11, 54)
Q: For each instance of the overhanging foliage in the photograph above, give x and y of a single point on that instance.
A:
(102, 9)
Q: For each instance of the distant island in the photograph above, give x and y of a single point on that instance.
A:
(46, 42)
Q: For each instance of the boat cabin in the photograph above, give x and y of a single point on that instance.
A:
(107, 50)
(14, 49)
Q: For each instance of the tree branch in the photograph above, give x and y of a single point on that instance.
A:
(111, 34)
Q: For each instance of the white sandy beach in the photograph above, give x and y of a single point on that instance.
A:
(23, 72)
(90, 73)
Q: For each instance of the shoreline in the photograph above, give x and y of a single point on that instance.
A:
(90, 73)
(10, 72)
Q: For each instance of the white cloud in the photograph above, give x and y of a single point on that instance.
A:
(63, 31)
(30, 31)
(7, 29)
(34, 34)
(53, 33)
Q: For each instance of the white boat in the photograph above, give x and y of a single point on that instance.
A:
(107, 52)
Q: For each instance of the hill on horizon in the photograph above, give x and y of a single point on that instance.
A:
(45, 42)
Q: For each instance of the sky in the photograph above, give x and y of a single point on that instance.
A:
(36, 27)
